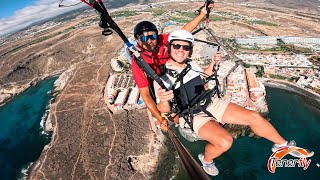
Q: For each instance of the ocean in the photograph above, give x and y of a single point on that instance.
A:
(295, 117)
(21, 137)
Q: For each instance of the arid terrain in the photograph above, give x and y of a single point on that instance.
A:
(88, 141)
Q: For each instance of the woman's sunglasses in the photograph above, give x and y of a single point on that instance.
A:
(145, 38)
(184, 47)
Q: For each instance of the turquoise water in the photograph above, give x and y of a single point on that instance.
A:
(21, 141)
(248, 157)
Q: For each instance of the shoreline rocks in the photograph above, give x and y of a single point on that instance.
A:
(7, 94)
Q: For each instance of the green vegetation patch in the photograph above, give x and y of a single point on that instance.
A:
(277, 77)
(69, 29)
(124, 14)
(191, 15)
(281, 48)
(216, 18)
(290, 48)
(260, 73)
(188, 14)
(224, 13)
(43, 38)
(156, 11)
(247, 65)
(254, 47)
(180, 20)
(260, 22)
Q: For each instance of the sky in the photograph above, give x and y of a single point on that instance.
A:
(18, 14)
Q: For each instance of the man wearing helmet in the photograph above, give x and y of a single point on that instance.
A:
(154, 50)
(206, 125)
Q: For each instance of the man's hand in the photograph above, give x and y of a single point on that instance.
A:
(175, 119)
(164, 95)
(164, 125)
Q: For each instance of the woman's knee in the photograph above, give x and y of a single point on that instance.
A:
(254, 118)
(216, 135)
(225, 142)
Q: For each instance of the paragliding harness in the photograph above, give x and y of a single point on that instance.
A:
(191, 97)
(187, 104)
(183, 105)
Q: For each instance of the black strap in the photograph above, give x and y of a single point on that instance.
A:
(187, 112)
(217, 81)
(181, 75)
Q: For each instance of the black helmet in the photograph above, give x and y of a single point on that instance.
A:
(144, 26)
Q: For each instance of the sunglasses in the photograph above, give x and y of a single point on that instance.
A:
(184, 47)
(145, 38)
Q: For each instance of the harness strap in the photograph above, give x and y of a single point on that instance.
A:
(205, 110)
(181, 75)
(187, 112)
(197, 104)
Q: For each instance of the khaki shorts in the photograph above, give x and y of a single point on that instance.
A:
(216, 108)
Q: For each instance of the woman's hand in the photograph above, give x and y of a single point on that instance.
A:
(217, 58)
(164, 95)
(204, 10)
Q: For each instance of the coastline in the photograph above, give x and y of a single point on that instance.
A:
(45, 117)
(18, 89)
(28, 109)
(46, 120)
(43, 123)
(309, 96)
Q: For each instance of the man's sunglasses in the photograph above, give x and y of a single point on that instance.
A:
(145, 38)
(184, 47)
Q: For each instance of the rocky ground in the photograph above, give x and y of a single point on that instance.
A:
(89, 142)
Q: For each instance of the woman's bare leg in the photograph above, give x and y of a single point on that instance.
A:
(235, 114)
(219, 140)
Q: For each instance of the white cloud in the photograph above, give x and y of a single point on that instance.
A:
(42, 9)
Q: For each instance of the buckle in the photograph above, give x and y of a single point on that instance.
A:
(203, 102)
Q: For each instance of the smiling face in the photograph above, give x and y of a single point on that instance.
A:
(180, 50)
(149, 43)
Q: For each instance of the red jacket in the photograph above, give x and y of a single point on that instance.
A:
(155, 61)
